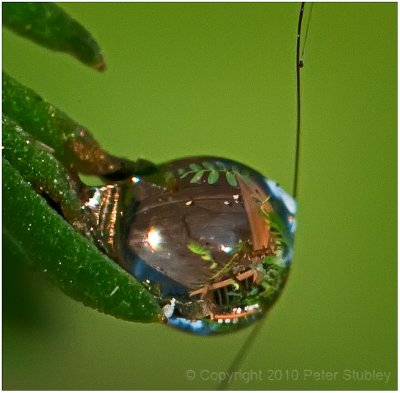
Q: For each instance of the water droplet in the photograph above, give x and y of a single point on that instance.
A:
(135, 180)
(212, 269)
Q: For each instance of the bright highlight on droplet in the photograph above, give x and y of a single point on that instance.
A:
(226, 249)
(94, 200)
(153, 238)
(135, 179)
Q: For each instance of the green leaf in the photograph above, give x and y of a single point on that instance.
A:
(197, 248)
(275, 261)
(195, 167)
(213, 177)
(203, 252)
(197, 177)
(70, 141)
(49, 25)
(39, 167)
(208, 165)
(213, 265)
(68, 259)
(231, 179)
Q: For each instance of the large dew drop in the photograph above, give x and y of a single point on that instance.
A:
(211, 238)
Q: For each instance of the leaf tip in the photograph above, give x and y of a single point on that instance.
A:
(100, 64)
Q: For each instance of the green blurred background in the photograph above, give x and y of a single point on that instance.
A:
(219, 78)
